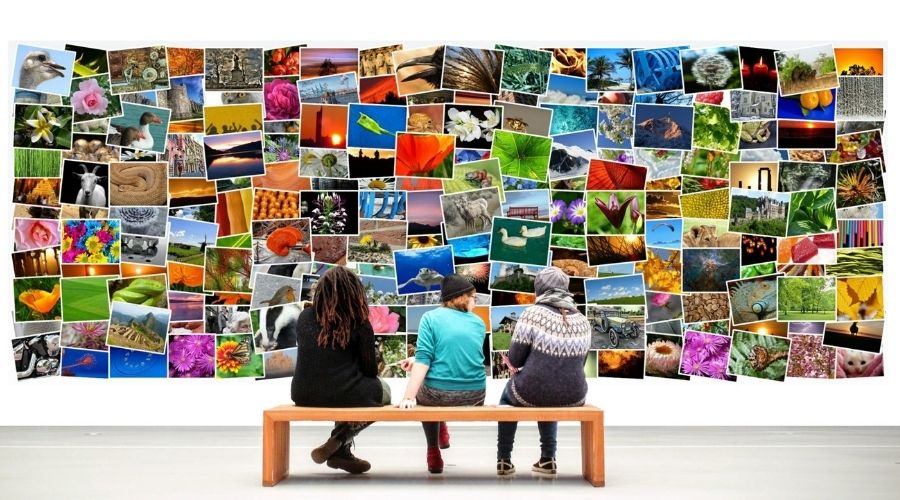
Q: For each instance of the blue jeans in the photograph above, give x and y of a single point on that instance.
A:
(506, 432)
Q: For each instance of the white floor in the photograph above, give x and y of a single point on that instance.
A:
(661, 462)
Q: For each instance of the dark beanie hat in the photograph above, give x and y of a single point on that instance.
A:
(454, 285)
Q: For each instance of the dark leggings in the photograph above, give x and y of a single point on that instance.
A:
(434, 397)
(346, 431)
(432, 433)
(506, 433)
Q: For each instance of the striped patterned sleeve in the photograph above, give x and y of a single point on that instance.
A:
(522, 338)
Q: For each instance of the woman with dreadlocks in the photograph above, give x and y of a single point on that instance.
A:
(336, 364)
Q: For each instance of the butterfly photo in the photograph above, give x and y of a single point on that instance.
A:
(235, 357)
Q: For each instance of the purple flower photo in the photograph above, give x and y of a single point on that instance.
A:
(192, 356)
(557, 210)
(568, 212)
(706, 355)
(577, 211)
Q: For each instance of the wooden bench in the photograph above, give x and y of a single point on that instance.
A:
(523, 212)
(277, 431)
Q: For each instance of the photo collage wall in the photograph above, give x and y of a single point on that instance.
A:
(720, 210)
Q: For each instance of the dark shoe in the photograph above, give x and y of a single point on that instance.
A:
(324, 452)
(344, 460)
(444, 436)
(505, 467)
(546, 465)
(435, 462)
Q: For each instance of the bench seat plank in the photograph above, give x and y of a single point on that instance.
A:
(277, 432)
(434, 413)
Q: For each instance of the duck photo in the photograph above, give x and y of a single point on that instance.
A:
(520, 241)
(513, 241)
(139, 127)
(535, 232)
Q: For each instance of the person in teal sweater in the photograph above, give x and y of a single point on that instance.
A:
(448, 368)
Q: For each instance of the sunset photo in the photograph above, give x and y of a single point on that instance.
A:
(859, 61)
(188, 192)
(380, 90)
(323, 126)
(234, 155)
(322, 62)
(801, 134)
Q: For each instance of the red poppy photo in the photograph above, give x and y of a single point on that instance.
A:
(425, 155)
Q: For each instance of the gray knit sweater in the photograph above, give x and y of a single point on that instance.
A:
(550, 355)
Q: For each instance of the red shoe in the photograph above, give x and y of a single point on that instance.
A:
(435, 462)
(444, 437)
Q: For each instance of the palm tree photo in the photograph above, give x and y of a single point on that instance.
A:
(599, 71)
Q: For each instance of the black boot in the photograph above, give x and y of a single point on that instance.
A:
(326, 451)
(330, 447)
(343, 459)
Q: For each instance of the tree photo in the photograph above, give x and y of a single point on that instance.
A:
(806, 298)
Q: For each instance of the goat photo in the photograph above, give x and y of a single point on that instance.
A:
(85, 183)
(470, 212)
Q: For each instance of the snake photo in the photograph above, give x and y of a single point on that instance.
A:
(141, 183)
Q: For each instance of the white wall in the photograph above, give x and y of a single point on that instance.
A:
(68, 401)
(72, 401)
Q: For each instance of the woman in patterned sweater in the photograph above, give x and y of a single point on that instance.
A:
(548, 349)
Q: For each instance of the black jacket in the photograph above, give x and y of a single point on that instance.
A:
(327, 377)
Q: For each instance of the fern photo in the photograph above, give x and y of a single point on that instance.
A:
(760, 356)
(525, 70)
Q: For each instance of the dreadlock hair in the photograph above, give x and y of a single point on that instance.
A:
(340, 306)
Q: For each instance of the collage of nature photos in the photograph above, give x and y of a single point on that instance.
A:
(719, 210)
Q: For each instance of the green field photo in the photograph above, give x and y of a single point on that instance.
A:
(85, 299)
(500, 340)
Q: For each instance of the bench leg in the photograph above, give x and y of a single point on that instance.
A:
(276, 450)
(592, 449)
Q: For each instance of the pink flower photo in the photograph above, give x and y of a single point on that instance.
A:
(36, 233)
(90, 98)
(282, 100)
